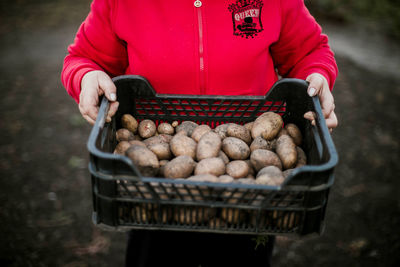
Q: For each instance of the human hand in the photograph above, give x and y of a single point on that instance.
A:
(93, 85)
(319, 86)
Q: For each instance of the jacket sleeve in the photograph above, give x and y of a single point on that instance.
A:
(302, 49)
(96, 47)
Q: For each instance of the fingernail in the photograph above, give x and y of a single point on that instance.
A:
(311, 91)
(113, 97)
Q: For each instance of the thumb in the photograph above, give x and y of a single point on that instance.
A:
(316, 81)
(107, 86)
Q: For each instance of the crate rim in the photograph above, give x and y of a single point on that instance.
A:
(330, 164)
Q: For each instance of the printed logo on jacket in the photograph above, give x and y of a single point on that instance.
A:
(246, 17)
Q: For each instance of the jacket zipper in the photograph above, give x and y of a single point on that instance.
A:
(198, 5)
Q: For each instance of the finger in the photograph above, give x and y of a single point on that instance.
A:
(327, 109)
(89, 111)
(309, 115)
(316, 83)
(112, 110)
(327, 104)
(331, 121)
(89, 119)
(107, 86)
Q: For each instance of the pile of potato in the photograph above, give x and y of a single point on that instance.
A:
(260, 152)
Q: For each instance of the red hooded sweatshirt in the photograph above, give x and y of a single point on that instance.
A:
(216, 47)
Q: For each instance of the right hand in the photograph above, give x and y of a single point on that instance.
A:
(93, 85)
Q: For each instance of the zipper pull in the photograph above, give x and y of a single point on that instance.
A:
(198, 3)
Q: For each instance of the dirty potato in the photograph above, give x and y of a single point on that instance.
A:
(214, 166)
(162, 166)
(181, 144)
(161, 138)
(137, 142)
(239, 131)
(261, 158)
(199, 131)
(179, 167)
(267, 125)
(129, 122)
(286, 150)
(295, 133)
(209, 146)
(124, 135)
(147, 128)
(162, 150)
(261, 143)
(221, 130)
(144, 159)
(301, 157)
(270, 175)
(121, 147)
(206, 177)
(165, 128)
(225, 179)
(249, 125)
(237, 169)
(187, 127)
(235, 148)
(223, 156)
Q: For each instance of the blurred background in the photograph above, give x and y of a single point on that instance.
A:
(45, 193)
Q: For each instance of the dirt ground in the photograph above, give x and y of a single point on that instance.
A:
(45, 190)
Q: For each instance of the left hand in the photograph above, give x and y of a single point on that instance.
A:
(319, 86)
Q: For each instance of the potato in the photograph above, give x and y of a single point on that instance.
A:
(261, 158)
(129, 122)
(206, 177)
(187, 127)
(144, 159)
(239, 131)
(161, 169)
(286, 150)
(235, 148)
(295, 133)
(251, 168)
(250, 176)
(165, 128)
(301, 157)
(174, 124)
(147, 128)
(249, 125)
(179, 167)
(237, 169)
(223, 156)
(161, 138)
(281, 132)
(270, 175)
(137, 142)
(221, 130)
(214, 166)
(267, 125)
(183, 145)
(124, 135)
(121, 147)
(261, 143)
(162, 150)
(208, 146)
(199, 131)
(225, 179)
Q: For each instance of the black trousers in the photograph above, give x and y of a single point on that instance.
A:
(148, 248)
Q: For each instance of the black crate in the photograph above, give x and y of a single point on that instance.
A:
(124, 200)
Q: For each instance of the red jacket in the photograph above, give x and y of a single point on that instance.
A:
(230, 47)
